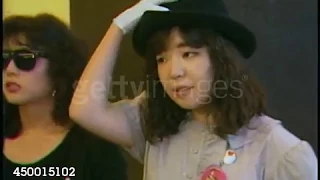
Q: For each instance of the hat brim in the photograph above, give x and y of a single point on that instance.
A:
(153, 21)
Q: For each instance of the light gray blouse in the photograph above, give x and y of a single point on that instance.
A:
(267, 152)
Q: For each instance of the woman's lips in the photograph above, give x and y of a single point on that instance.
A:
(12, 87)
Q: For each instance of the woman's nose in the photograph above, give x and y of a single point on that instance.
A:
(11, 68)
(176, 68)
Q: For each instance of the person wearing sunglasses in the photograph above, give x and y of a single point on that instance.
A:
(42, 60)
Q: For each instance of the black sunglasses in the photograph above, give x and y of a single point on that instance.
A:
(24, 59)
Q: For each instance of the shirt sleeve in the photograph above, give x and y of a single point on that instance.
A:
(132, 114)
(298, 163)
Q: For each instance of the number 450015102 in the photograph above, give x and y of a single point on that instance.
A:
(45, 171)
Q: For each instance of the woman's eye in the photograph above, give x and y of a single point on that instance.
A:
(160, 59)
(189, 54)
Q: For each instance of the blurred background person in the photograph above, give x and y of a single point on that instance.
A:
(42, 60)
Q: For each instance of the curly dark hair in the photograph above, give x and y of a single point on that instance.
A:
(67, 58)
(232, 108)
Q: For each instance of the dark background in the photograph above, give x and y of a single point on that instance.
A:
(285, 61)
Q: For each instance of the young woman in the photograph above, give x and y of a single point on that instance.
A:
(42, 60)
(202, 115)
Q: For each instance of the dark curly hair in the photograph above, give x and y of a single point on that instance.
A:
(232, 108)
(67, 58)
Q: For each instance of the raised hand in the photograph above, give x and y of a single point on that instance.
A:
(128, 19)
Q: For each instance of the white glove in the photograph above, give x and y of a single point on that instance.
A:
(128, 19)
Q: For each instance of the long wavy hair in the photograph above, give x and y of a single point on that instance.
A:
(67, 58)
(232, 108)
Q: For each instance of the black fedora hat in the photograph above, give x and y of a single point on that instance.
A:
(200, 13)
